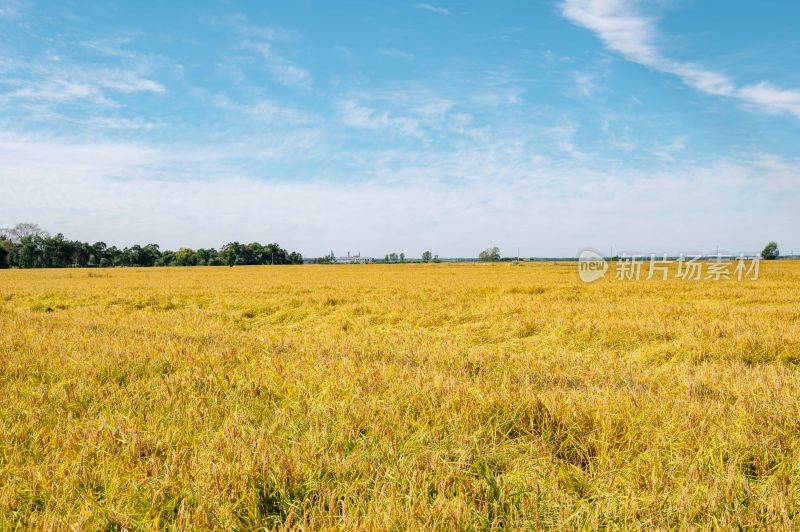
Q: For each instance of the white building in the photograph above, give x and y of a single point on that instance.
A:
(353, 259)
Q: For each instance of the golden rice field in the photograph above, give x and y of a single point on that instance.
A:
(397, 397)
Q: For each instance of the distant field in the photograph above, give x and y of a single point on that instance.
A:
(398, 396)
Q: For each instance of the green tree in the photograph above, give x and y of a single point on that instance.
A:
(229, 254)
(771, 251)
(26, 245)
(8, 252)
(167, 258)
(491, 254)
(30, 252)
(149, 255)
(427, 256)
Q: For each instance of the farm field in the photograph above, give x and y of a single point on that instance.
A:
(442, 396)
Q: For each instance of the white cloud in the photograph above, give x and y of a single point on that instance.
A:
(357, 115)
(44, 159)
(585, 83)
(113, 122)
(498, 96)
(618, 26)
(411, 110)
(668, 150)
(564, 137)
(265, 111)
(394, 52)
(54, 84)
(414, 111)
(619, 138)
(433, 8)
(262, 40)
(127, 82)
(243, 27)
(772, 98)
(623, 29)
(456, 202)
(56, 90)
(284, 71)
(11, 9)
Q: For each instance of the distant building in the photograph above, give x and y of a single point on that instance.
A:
(353, 259)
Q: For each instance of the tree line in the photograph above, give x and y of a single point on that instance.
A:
(26, 245)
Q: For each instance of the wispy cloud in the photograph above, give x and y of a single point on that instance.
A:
(588, 80)
(284, 71)
(564, 137)
(618, 138)
(265, 111)
(243, 27)
(394, 52)
(128, 82)
(265, 41)
(10, 9)
(771, 98)
(433, 9)
(52, 83)
(498, 96)
(360, 116)
(623, 29)
(120, 123)
(414, 111)
(585, 83)
(670, 149)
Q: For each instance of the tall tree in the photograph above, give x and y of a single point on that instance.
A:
(21, 230)
(491, 254)
(770, 251)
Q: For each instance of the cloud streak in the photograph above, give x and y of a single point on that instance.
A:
(53, 84)
(623, 29)
(283, 71)
(433, 9)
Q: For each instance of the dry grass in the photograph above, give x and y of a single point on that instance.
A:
(440, 396)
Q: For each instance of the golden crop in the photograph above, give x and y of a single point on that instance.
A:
(415, 396)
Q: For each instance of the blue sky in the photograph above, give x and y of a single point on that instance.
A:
(661, 126)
